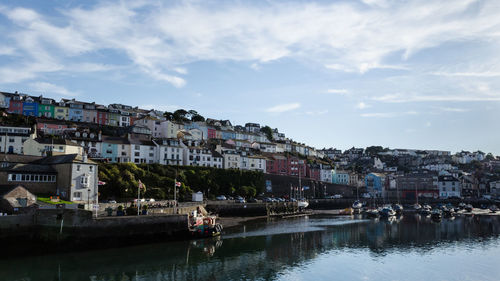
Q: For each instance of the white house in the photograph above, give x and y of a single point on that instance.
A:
(13, 138)
(170, 152)
(449, 186)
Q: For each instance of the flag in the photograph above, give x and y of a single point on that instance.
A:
(101, 182)
(141, 185)
(178, 184)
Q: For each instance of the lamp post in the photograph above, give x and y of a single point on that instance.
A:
(88, 199)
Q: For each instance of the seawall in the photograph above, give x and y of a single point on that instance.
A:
(60, 229)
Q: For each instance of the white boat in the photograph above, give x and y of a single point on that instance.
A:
(357, 205)
(302, 203)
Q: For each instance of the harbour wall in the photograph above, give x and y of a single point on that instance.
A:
(62, 229)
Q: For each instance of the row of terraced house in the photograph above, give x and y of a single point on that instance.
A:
(150, 138)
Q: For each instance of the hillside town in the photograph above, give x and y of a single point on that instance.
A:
(54, 147)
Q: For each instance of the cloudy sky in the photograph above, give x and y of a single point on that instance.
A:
(401, 74)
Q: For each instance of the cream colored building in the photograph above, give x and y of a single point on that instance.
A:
(43, 147)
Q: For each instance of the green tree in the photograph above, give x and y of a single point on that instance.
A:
(268, 131)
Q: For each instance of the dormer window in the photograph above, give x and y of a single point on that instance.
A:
(77, 134)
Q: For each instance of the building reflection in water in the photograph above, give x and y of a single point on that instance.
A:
(257, 256)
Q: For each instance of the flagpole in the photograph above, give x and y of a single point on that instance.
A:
(138, 196)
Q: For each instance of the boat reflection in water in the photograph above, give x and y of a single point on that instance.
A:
(312, 248)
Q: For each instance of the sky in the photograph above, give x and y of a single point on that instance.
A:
(400, 74)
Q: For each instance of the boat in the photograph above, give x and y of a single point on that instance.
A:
(468, 208)
(372, 213)
(387, 211)
(425, 210)
(302, 203)
(356, 207)
(204, 226)
(417, 207)
(436, 215)
(398, 208)
(493, 208)
(449, 213)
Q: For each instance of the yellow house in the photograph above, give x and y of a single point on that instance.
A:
(61, 112)
(45, 146)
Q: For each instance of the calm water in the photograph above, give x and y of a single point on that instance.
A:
(313, 248)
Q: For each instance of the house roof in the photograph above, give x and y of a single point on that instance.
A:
(17, 158)
(56, 141)
(115, 140)
(62, 159)
(30, 168)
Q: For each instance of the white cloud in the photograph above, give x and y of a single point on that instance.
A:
(362, 105)
(48, 89)
(255, 66)
(283, 107)
(338, 91)
(453, 109)
(468, 74)
(388, 114)
(180, 70)
(400, 98)
(341, 35)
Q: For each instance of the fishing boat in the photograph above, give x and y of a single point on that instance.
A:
(203, 226)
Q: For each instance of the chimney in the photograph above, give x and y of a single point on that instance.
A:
(84, 157)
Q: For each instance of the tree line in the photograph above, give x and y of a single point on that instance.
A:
(122, 180)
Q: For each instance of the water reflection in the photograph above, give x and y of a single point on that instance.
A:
(270, 250)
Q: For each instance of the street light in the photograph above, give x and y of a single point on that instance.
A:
(88, 199)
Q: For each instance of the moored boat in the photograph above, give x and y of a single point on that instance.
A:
(425, 210)
(356, 207)
(372, 213)
(204, 226)
(302, 203)
(493, 208)
(398, 208)
(436, 214)
(468, 208)
(387, 211)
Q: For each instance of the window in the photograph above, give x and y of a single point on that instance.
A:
(12, 140)
(137, 147)
(84, 181)
(137, 154)
(77, 195)
(91, 169)
(78, 168)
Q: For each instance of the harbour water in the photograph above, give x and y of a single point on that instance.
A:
(308, 248)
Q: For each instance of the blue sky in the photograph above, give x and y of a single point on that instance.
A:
(401, 74)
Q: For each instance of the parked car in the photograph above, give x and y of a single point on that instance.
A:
(240, 200)
(221, 198)
(151, 200)
(252, 200)
(112, 201)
